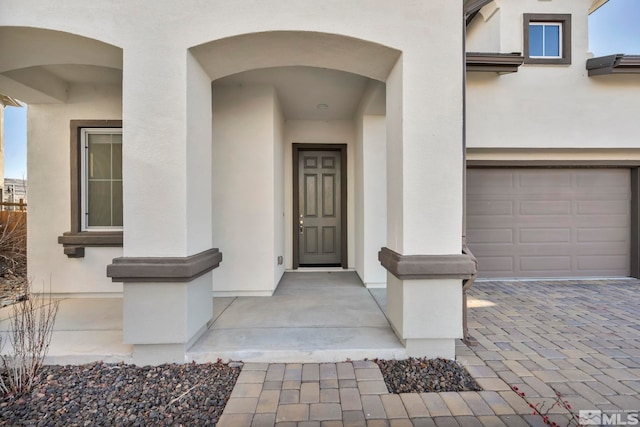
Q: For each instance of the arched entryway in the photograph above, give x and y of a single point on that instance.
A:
(283, 90)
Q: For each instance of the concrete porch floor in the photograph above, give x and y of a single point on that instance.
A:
(312, 317)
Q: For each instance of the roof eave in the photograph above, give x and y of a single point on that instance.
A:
(472, 7)
(618, 63)
(597, 4)
(9, 101)
(501, 63)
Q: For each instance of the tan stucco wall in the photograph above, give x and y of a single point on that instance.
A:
(279, 207)
(547, 106)
(48, 159)
(163, 104)
(483, 33)
(244, 147)
(370, 151)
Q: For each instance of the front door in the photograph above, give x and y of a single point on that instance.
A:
(319, 208)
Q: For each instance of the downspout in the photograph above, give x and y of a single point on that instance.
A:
(466, 283)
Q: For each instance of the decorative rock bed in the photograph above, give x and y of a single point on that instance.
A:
(13, 287)
(102, 394)
(422, 375)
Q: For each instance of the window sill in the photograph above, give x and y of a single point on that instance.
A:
(75, 242)
(548, 61)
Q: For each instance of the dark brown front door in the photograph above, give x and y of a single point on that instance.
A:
(320, 210)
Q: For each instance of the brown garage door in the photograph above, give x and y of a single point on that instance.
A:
(549, 222)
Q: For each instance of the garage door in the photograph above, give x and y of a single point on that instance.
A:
(549, 222)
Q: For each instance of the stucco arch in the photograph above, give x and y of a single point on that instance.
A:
(245, 52)
(27, 55)
(22, 47)
(253, 118)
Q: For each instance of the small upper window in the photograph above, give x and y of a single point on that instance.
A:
(547, 38)
(101, 179)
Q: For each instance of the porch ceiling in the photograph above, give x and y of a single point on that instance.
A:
(302, 89)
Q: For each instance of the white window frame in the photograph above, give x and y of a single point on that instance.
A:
(560, 39)
(84, 202)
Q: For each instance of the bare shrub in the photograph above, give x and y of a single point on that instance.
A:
(31, 328)
(13, 240)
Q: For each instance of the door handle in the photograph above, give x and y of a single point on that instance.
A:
(301, 225)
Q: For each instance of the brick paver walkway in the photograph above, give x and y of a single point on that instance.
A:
(581, 338)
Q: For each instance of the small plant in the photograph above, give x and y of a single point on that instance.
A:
(541, 410)
(31, 328)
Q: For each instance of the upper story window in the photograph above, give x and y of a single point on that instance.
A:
(101, 179)
(547, 38)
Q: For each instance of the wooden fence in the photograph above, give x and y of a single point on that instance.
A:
(12, 218)
(12, 206)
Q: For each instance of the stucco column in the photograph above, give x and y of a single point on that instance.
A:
(168, 253)
(424, 195)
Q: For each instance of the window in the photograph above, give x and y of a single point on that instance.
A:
(96, 186)
(547, 38)
(101, 178)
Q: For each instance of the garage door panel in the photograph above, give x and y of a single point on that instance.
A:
(603, 263)
(614, 182)
(491, 236)
(602, 249)
(545, 235)
(491, 208)
(498, 264)
(549, 223)
(535, 264)
(603, 223)
(545, 207)
(551, 179)
(602, 234)
(603, 207)
(494, 181)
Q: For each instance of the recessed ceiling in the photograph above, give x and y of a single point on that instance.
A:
(302, 90)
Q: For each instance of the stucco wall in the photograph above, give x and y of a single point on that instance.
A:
(160, 94)
(278, 188)
(198, 152)
(483, 33)
(243, 189)
(358, 177)
(49, 216)
(370, 151)
(549, 106)
(375, 202)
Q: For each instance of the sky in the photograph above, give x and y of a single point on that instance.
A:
(614, 28)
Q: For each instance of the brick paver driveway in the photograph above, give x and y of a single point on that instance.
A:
(580, 338)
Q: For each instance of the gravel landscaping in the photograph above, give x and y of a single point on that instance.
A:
(102, 394)
(13, 284)
(422, 375)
